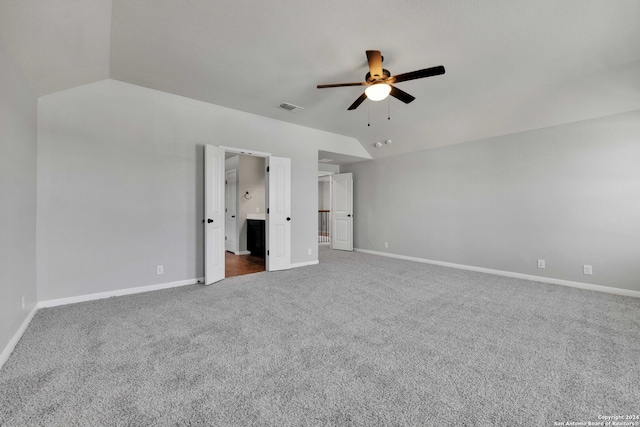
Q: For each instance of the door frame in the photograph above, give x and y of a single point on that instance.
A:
(326, 177)
(244, 151)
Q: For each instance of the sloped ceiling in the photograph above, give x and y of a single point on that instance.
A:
(58, 44)
(511, 65)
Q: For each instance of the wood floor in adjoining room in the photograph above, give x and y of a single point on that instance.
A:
(237, 265)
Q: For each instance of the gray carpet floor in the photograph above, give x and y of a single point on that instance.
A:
(355, 340)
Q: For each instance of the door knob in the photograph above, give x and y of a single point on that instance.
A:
(349, 215)
(209, 220)
(233, 216)
(288, 219)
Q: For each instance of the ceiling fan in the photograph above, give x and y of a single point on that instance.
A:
(379, 81)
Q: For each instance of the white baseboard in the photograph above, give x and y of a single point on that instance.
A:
(588, 286)
(240, 252)
(4, 356)
(303, 264)
(116, 293)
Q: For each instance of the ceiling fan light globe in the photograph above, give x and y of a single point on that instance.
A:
(378, 92)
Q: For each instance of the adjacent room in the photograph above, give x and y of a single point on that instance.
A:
(319, 213)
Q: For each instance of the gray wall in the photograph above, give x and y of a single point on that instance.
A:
(18, 144)
(568, 194)
(232, 163)
(327, 167)
(120, 176)
(251, 178)
(320, 195)
(324, 194)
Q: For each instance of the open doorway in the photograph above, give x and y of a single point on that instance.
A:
(245, 214)
(335, 201)
(335, 210)
(278, 219)
(324, 207)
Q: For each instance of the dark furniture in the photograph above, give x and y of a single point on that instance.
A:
(256, 237)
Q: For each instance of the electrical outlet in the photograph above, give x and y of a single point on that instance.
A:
(587, 269)
(22, 301)
(159, 269)
(309, 251)
(541, 263)
(386, 245)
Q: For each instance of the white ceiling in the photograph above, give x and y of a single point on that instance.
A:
(511, 65)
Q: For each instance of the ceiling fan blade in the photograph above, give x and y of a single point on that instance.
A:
(359, 101)
(401, 95)
(427, 72)
(375, 63)
(342, 84)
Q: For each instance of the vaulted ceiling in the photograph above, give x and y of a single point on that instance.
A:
(511, 65)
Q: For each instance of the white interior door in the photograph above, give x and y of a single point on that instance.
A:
(231, 233)
(213, 214)
(342, 211)
(278, 213)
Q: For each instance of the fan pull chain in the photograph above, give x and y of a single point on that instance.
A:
(368, 115)
(389, 109)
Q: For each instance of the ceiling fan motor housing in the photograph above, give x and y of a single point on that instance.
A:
(369, 79)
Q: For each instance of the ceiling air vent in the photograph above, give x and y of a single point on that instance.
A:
(290, 107)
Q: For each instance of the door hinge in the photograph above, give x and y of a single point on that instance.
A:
(226, 182)
(267, 253)
(267, 210)
(267, 168)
